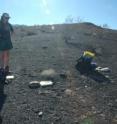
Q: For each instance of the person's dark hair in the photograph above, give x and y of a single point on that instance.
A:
(1, 20)
(4, 15)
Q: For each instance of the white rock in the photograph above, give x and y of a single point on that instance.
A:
(34, 84)
(46, 83)
(107, 76)
(10, 77)
(86, 86)
(53, 28)
(40, 114)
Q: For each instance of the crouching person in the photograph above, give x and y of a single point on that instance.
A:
(85, 63)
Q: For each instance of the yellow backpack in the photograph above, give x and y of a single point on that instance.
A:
(88, 54)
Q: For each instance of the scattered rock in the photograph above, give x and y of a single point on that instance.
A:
(46, 83)
(34, 84)
(73, 38)
(93, 107)
(94, 34)
(110, 104)
(36, 111)
(86, 86)
(84, 77)
(102, 115)
(82, 100)
(44, 47)
(63, 75)
(46, 92)
(32, 75)
(69, 92)
(76, 122)
(10, 77)
(40, 114)
(107, 76)
(52, 27)
(49, 74)
(88, 33)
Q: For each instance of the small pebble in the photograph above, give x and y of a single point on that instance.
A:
(40, 114)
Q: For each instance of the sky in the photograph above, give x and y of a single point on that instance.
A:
(39, 12)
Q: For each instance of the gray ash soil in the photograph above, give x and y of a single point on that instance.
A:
(76, 99)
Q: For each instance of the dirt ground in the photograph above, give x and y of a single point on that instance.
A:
(74, 98)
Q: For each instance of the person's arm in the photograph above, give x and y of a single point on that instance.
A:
(11, 29)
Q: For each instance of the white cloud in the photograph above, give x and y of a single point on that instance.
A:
(45, 3)
(45, 6)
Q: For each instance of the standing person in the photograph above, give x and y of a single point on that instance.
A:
(6, 31)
